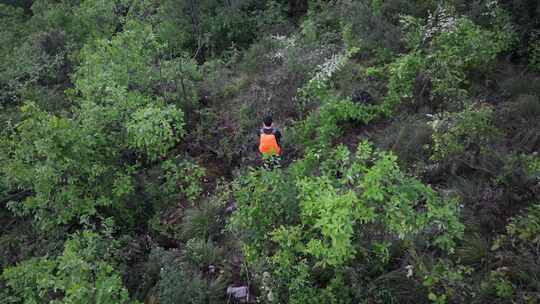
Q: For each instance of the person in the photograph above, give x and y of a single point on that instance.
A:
(269, 142)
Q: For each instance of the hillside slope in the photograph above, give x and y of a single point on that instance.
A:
(130, 171)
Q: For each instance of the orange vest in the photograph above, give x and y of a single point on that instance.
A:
(269, 145)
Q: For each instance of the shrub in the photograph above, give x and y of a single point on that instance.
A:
(464, 47)
(154, 130)
(525, 228)
(53, 156)
(203, 222)
(182, 177)
(84, 273)
(468, 131)
(444, 280)
(340, 196)
(180, 74)
(373, 24)
(516, 274)
(265, 201)
(178, 285)
(335, 112)
(445, 48)
(202, 254)
(407, 138)
(403, 72)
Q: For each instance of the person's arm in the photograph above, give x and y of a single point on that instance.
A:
(256, 144)
(277, 133)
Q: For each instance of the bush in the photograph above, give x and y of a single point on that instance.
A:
(520, 119)
(203, 222)
(323, 126)
(178, 285)
(403, 72)
(374, 24)
(407, 138)
(84, 273)
(463, 135)
(264, 201)
(340, 198)
(444, 49)
(203, 254)
(516, 275)
(182, 177)
(154, 130)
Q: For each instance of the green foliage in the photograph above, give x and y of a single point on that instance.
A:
(84, 273)
(154, 130)
(470, 130)
(73, 161)
(93, 19)
(182, 177)
(532, 164)
(55, 158)
(318, 85)
(265, 201)
(22, 73)
(180, 180)
(112, 127)
(210, 26)
(445, 48)
(373, 23)
(321, 127)
(182, 73)
(340, 197)
(203, 254)
(403, 72)
(463, 47)
(30, 281)
(110, 67)
(333, 215)
(523, 230)
(83, 21)
(445, 281)
(498, 280)
(514, 277)
(38, 49)
(178, 285)
(204, 221)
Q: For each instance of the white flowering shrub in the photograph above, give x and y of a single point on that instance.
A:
(445, 47)
(285, 43)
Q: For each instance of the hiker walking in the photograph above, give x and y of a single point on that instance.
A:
(269, 143)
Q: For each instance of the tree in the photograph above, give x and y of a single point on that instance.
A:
(76, 161)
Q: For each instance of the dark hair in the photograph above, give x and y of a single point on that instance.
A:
(267, 121)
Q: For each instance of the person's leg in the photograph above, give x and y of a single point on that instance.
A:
(267, 165)
(276, 161)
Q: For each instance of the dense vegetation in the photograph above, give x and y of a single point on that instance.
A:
(129, 171)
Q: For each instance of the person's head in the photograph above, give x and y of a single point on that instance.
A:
(267, 121)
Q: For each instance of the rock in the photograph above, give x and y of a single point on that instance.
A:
(231, 208)
(240, 293)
